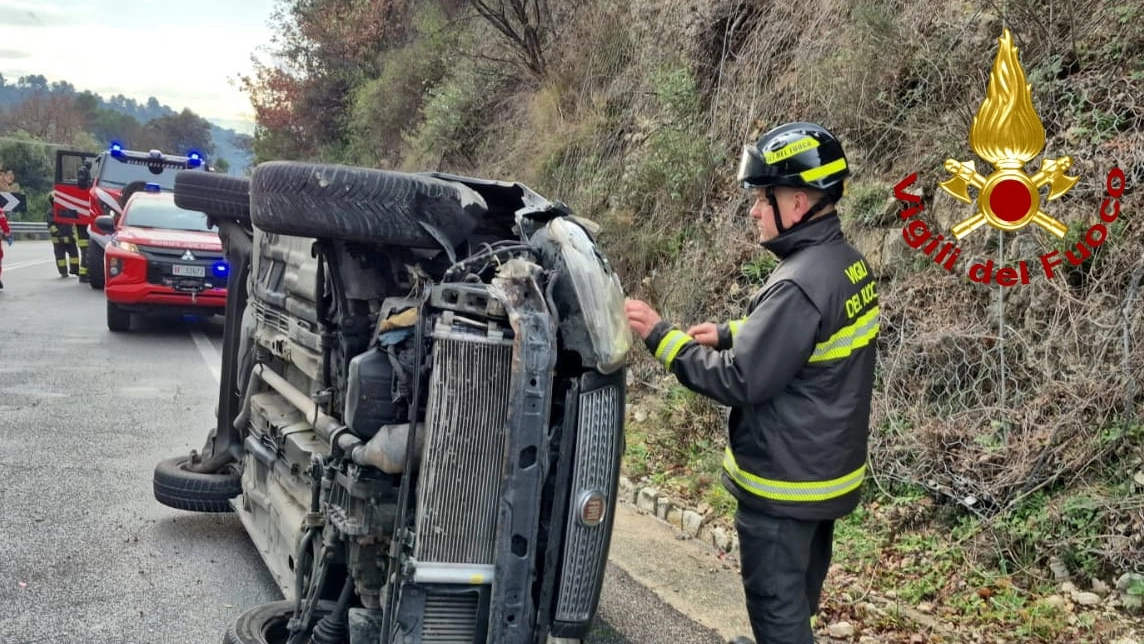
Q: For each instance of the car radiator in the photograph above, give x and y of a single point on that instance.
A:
(465, 449)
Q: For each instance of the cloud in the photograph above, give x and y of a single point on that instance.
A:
(14, 54)
(37, 14)
(19, 18)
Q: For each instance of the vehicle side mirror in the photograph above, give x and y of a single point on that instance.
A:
(105, 224)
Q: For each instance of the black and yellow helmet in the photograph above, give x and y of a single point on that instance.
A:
(795, 155)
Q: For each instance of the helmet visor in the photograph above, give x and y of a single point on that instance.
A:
(754, 172)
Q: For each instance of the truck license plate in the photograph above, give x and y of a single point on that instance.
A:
(189, 271)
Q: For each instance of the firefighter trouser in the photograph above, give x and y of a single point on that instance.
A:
(82, 240)
(784, 564)
(64, 248)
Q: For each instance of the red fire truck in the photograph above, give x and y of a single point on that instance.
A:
(89, 184)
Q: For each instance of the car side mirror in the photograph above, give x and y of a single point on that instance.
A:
(105, 224)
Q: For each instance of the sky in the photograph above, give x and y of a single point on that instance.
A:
(185, 54)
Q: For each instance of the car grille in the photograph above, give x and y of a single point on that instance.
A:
(161, 264)
(597, 453)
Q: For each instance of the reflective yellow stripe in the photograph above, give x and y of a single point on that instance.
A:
(791, 149)
(670, 345)
(849, 338)
(814, 174)
(792, 490)
(735, 325)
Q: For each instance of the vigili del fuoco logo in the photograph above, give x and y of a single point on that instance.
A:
(1008, 134)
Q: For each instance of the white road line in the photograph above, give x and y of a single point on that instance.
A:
(27, 263)
(210, 356)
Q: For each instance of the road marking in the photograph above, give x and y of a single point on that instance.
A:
(27, 263)
(210, 356)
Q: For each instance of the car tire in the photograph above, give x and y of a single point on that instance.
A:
(362, 205)
(266, 623)
(218, 195)
(179, 488)
(118, 320)
(95, 274)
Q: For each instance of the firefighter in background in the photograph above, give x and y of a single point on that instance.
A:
(6, 235)
(82, 238)
(63, 240)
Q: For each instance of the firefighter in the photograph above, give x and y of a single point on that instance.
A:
(83, 178)
(63, 241)
(798, 374)
(82, 240)
(5, 235)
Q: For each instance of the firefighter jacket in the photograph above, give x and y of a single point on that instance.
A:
(60, 231)
(798, 375)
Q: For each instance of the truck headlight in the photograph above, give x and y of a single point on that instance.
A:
(125, 246)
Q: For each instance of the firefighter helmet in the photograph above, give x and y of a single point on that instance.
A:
(798, 155)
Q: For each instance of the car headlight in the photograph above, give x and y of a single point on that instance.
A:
(588, 295)
(125, 246)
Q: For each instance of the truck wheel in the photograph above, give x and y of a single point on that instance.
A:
(95, 267)
(218, 195)
(363, 205)
(266, 623)
(182, 489)
(118, 320)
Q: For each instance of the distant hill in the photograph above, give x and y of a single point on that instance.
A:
(232, 146)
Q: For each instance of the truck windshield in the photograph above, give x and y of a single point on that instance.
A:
(161, 212)
(117, 173)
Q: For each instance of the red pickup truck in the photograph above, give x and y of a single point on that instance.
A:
(160, 259)
(89, 184)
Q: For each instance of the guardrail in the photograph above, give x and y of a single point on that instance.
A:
(29, 229)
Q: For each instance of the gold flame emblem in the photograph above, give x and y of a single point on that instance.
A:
(1008, 134)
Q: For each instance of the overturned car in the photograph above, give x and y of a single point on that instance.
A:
(420, 417)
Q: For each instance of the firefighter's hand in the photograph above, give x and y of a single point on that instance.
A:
(641, 317)
(8, 239)
(706, 334)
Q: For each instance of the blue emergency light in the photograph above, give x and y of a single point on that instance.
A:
(194, 159)
(152, 187)
(116, 149)
(220, 269)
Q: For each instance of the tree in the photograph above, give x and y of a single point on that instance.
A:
(30, 164)
(47, 117)
(179, 134)
(110, 125)
(33, 82)
(325, 50)
(87, 105)
(526, 26)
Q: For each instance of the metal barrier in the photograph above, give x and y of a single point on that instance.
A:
(29, 229)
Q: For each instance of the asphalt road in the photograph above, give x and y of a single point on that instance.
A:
(88, 555)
